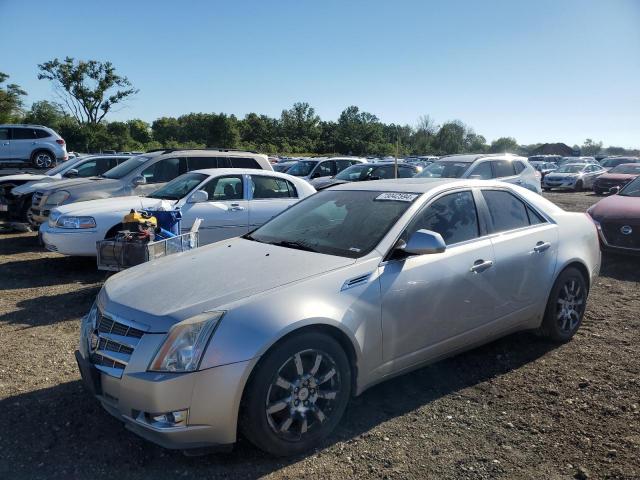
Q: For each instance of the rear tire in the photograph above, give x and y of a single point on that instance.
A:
(565, 306)
(297, 394)
(42, 159)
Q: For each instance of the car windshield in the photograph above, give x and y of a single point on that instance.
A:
(302, 168)
(445, 170)
(570, 169)
(631, 189)
(336, 222)
(125, 167)
(632, 169)
(355, 173)
(64, 166)
(179, 187)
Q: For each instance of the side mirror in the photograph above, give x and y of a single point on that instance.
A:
(139, 180)
(614, 190)
(198, 196)
(422, 242)
(71, 173)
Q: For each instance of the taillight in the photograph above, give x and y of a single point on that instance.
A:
(60, 141)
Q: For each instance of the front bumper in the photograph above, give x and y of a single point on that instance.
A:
(212, 397)
(75, 242)
(562, 183)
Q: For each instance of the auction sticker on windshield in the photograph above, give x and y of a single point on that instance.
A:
(401, 197)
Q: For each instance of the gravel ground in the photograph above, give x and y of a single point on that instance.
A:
(517, 408)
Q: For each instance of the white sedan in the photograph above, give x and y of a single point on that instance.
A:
(231, 202)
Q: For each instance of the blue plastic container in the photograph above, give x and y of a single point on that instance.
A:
(168, 220)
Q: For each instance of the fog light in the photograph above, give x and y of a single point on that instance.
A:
(173, 419)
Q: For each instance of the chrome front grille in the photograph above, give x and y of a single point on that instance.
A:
(113, 344)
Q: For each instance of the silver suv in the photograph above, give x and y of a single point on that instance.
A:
(505, 167)
(35, 144)
(140, 175)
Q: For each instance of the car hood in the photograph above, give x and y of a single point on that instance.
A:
(616, 207)
(329, 182)
(85, 184)
(168, 290)
(21, 177)
(622, 177)
(108, 205)
(36, 184)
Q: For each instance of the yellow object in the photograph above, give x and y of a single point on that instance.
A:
(138, 217)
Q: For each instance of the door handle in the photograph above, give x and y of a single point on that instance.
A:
(480, 266)
(541, 247)
(234, 207)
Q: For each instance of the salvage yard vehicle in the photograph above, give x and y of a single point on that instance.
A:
(612, 162)
(36, 145)
(19, 189)
(363, 172)
(273, 332)
(230, 202)
(319, 168)
(617, 218)
(140, 175)
(618, 176)
(573, 176)
(505, 167)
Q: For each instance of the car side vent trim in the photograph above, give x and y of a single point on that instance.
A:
(355, 281)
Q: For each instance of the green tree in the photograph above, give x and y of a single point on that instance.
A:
(451, 138)
(45, 113)
(504, 145)
(589, 147)
(139, 131)
(359, 133)
(10, 100)
(299, 127)
(165, 129)
(89, 89)
(474, 143)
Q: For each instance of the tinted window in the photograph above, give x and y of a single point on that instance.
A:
(240, 162)
(302, 168)
(88, 169)
(42, 133)
(23, 134)
(126, 167)
(445, 169)
(342, 164)
(482, 171)
(534, 217)
(388, 171)
(198, 163)
(507, 212)
(406, 172)
(225, 188)
(162, 171)
(325, 169)
(519, 166)
(271, 187)
(452, 216)
(4, 134)
(503, 168)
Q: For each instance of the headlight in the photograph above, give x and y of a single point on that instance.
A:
(185, 344)
(75, 222)
(57, 198)
(53, 217)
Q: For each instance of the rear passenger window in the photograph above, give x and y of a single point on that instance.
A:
(519, 166)
(42, 133)
(503, 168)
(404, 172)
(224, 189)
(198, 163)
(162, 171)
(507, 212)
(271, 187)
(534, 217)
(453, 216)
(23, 134)
(241, 162)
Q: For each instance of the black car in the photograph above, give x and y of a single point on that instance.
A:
(368, 171)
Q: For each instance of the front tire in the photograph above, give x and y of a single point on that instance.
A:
(578, 186)
(42, 159)
(297, 394)
(565, 306)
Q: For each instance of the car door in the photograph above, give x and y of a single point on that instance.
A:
(525, 246)
(268, 196)
(23, 142)
(225, 214)
(432, 304)
(5, 144)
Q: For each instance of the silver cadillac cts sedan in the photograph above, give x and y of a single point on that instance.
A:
(272, 333)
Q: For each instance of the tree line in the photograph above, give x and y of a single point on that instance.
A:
(87, 91)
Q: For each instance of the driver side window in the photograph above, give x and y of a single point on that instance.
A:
(162, 171)
(225, 188)
(453, 216)
(482, 171)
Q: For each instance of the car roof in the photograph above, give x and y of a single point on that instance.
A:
(384, 164)
(472, 157)
(415, 185)
(216, 172)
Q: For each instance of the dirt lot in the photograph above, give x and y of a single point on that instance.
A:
(517, 408)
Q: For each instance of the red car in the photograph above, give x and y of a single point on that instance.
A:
(618, 219)
(616, 177)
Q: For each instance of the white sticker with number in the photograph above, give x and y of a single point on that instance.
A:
(400, 197)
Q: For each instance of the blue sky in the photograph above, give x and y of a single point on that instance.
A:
(544, 70)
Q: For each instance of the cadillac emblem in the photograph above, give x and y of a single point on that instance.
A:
(626, 230)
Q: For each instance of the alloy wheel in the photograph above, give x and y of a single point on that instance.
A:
(303, 394)
(43, 160)
(570, 306)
